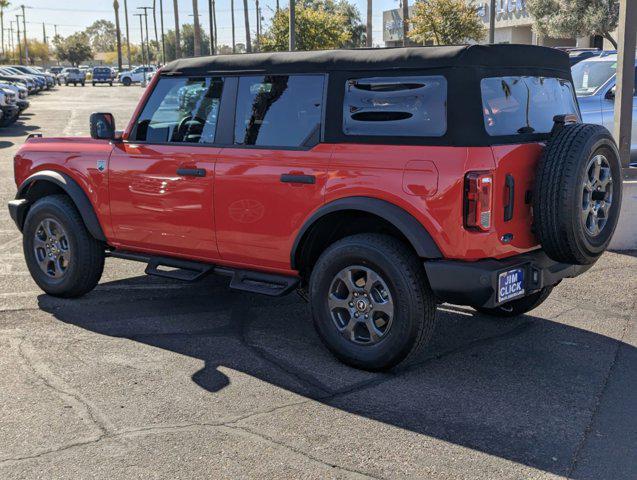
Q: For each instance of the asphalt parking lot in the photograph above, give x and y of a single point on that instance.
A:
(147, 378)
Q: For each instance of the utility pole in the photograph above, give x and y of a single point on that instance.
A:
(161, 22)
(292, 34)
(405, 22)
(212, 27)
(145, 9)
(141, 32)
(24, 31)
(214, 21)
(492, 22)
(43, 33)
(130, 62)
(17, 21)
(55, 29)
(258, 26)
(626, 39)
(246, 20)
(197, 39)
(10, 42)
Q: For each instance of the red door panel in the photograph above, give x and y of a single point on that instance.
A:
(154, 208)
(257, 215)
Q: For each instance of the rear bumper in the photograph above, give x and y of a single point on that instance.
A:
(476, 283)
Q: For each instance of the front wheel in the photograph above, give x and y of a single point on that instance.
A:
(62, 256)
(518, 307)
(371, 303)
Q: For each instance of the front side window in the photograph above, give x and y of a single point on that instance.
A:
(279, 110)
(181, 110)
(412, 106)
(522, 105)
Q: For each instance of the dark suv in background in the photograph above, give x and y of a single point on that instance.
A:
(102, 75)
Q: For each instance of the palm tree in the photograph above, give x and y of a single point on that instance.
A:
(127, 34)
(177, 36)
(3, 4)
(246, 19)
(119, 35)
(197, 39)
(368, 40)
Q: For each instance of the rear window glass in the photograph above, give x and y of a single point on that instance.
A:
(411, 106)
(101, 70)
(519, 105)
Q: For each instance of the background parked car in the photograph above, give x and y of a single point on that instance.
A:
(135, 76)
(594, 81)
(49, 81)
(56, 71)
(7, 76)
(9, 107)
(74, 76)
(102, 75)
(21, 94)
(40, 83)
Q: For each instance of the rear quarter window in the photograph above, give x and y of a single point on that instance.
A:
(523, 105)
(412, 106)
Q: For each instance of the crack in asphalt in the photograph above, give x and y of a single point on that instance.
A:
(600, 394)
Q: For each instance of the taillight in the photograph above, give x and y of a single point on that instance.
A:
(478, 200)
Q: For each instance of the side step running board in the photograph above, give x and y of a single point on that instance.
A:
(189, 271)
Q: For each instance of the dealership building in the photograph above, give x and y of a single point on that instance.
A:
(513, 24)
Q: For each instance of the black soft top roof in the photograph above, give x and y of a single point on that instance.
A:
(490, 56)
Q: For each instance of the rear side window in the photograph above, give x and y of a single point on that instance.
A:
(279, 110)
(519, 105)
(412, 106)
(181, 110)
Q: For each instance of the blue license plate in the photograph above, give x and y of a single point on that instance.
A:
(510, 284)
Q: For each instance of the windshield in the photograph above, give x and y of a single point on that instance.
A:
(588, 77)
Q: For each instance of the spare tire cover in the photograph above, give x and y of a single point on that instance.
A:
(577, 193)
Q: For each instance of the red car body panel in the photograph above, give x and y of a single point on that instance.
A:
(240, 213)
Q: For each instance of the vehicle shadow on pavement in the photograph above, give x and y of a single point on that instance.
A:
(523, 389)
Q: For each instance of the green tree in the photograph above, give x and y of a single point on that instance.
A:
(445, 22)
(317, 29)
(354, 25)
(103, 35)
(187, 47)
(575, 18)
(74, 48)
(38, 51)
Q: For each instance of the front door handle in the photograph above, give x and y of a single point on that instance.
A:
(298, 178)
(191, 172)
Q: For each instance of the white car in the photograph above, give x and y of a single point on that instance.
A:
(135, 76)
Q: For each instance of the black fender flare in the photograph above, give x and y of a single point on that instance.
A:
(73, 190)
(412, 229)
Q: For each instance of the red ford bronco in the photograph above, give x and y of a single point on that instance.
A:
(376, 182)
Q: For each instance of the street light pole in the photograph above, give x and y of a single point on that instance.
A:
(234, 48)
(163, 41)
(492, 22)
(624, 92)
(141, 32)
(212, 28)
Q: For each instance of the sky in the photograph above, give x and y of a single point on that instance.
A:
(74, 15)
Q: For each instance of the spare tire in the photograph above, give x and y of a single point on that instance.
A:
(577, 193)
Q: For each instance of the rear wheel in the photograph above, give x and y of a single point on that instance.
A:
(126, 82)
(520, 306)
(62, 256)
(371, 303)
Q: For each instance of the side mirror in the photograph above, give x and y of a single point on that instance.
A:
(610, 95)
(102, 126)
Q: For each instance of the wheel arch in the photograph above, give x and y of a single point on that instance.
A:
(391, 215)
(50, 182)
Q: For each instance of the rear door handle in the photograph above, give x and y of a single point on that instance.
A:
(509, 184)
(298, 178)
(191, 172)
